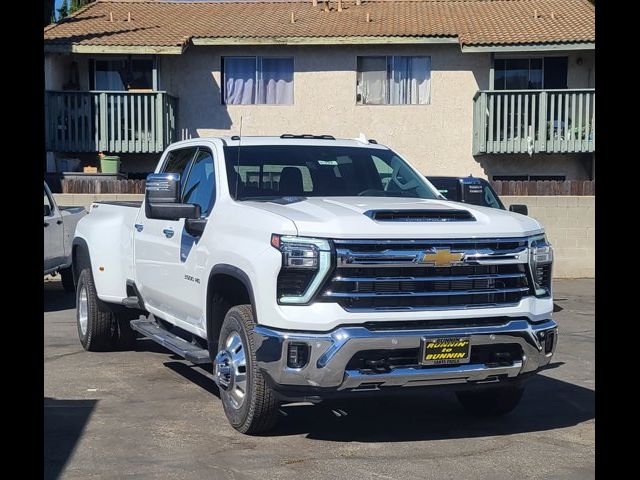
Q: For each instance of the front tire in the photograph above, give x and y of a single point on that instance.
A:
(491, 402)
(250, 405)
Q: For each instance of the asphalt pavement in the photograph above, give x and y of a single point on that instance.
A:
(148, 414)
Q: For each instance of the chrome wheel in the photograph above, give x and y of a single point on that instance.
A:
(83, 310)
(230, 369)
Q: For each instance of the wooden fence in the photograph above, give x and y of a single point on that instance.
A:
(73, 185)
(545, 188)
(517, 188)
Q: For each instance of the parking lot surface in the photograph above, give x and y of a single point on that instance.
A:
(148, 414)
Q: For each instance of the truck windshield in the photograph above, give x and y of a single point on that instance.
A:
(267, 172)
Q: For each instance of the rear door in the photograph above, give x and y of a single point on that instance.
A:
(53, 235)
(157, 247)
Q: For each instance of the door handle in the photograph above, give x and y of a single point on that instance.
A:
(139, 227)
(168, 232)
(46, 224)
(59, 222)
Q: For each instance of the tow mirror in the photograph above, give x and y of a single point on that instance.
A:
(162, 198)
(521, 209)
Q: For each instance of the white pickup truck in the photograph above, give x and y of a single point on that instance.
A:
(59, 227)
(308, 268)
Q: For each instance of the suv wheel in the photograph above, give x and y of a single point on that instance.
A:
(250, 405)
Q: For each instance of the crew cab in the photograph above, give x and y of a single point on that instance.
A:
(59, 228)
(307, 267)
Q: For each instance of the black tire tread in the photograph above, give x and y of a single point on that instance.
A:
(100, 328)
(263, 409)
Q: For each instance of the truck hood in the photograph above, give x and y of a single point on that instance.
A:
(345, 217)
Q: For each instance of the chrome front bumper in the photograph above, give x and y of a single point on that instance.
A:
(331, 352)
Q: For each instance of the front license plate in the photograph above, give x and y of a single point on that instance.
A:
(446, 350)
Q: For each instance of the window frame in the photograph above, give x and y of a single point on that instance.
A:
(523, 56)
(155, 70)
(388, 83)
(257, 77)
(189, 168)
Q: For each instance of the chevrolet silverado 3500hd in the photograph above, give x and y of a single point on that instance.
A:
(308, 267)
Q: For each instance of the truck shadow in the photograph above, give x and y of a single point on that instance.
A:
(547, 404)
(64, 422)
(434, 414)
(56, 299)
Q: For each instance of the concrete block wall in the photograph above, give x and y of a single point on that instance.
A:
(570, 226)
(569, 223)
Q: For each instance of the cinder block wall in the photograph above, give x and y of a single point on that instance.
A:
(568, 221)
(570, 226)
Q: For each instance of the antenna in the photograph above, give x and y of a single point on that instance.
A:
(238, 159)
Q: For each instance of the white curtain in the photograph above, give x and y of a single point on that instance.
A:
(275, 81)
(372, 80)
(410, 80)
(239, 80)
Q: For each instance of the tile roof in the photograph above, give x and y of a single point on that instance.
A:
(472, 22)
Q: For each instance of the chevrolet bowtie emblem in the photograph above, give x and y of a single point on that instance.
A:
(442, 257)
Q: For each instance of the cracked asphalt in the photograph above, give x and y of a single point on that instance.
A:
(148, 414)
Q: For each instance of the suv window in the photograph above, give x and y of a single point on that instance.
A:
(200, 188)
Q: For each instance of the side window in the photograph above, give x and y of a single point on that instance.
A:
(178, 160)
(200, 187)
(384, 170)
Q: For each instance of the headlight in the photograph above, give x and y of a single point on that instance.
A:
(540, 263)
(305, 264)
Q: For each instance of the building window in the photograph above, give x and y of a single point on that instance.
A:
(393, 80)
(530, 73)
(257, 81)
(124, 74)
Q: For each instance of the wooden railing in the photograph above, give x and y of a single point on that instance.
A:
(113, 122)
(533, 121)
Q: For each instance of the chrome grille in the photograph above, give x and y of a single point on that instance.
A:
(393, 275)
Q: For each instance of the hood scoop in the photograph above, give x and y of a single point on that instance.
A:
(420, 215)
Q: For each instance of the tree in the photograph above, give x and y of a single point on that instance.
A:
(78, 4)
(49, 12)
(63, 11)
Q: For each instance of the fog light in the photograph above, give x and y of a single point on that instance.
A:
(297, 355)
(548, 344)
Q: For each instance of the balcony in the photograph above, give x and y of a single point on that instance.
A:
(534, 121)
(114, 122)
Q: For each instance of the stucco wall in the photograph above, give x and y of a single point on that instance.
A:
(437, 138)
(56, 67)
(569, 223)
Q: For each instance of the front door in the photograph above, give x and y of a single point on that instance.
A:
(157, 244)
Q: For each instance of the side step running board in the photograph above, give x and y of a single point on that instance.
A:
(189, 351)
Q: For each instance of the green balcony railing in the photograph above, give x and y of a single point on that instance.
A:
(534, 121)
(114, 122)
